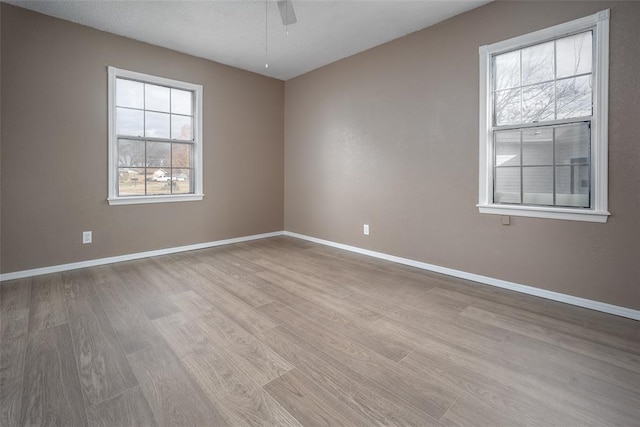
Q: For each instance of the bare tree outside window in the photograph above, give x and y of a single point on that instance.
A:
(544, 82)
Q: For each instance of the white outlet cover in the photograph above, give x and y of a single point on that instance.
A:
(86, 237)
(366, 229)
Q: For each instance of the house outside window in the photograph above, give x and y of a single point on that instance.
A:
(543, 123)
(155, 139)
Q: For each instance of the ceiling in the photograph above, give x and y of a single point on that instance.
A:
(233, 32)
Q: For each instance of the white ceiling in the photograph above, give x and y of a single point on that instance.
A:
(233, 32)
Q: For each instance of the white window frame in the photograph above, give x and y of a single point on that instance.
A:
(599, 24)
(113, 198)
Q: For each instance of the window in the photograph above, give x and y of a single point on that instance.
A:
(543, 123)
(155, 139)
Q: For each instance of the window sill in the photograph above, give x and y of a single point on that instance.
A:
(549, 213)
(137, 200)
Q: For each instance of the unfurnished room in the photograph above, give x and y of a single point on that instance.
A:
(319, 212)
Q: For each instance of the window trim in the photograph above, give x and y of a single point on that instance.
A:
(599, 23)
(113, 198)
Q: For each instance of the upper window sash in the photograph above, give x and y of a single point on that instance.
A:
(599, 24)
(539, 85)
(196, 138)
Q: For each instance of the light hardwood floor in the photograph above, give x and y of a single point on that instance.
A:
(285, 332)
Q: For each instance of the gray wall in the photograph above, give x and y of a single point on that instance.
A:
(389, 137)
(54, 147)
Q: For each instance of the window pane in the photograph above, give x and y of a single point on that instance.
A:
(181, 127)
(129, 122)
(181, 155)
(131, 181)
(159, 155)
(156, 124)
(181, 181)
(181, 102)
(129, 94)
(130, 153)
(537, 185)
(537, 103)
(507, 107)
(537, 63)
(156, 98)
(572, 186)
(508, 148)
(159, 185)
(507, 185)
(574, 55)
(507, 70)
(537, 147)
(573, 144)
(574, 97)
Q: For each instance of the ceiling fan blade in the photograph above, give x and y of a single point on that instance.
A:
(287, 13)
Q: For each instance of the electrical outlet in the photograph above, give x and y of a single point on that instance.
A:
(365, 229)
(86, 237)
(506, 220)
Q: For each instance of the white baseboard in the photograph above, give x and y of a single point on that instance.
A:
(543, 293)
(129, 257)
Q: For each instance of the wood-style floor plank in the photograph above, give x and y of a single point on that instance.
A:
(367, 398)
(129, 408)
(102, 364)
(48, 306)
(624, 359)
(218, 371)
(78, 284)
(427, 393)
(173, 397)
(145, 289)
(131, 325)
(469, 411)
(52, 393)
(15, 299)
(239, 397)
(309, 404)
(247, 351)
(12, 359)
(515, 392)
(234, 308)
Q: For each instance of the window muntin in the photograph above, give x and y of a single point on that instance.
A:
(547, 166)
(155, 139)
(543, 112)
(543, 82)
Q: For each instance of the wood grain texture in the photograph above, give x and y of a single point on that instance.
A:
(102, 364)
(48, 307)
(12, 359)
(146, 288)
(52, 393)
(427, 393)
(244, 349)
(367, 398)
(625, 359)
(14, 322)
(14, 308)
(239, 397)
(129, 408)
(173, 397)
(78, 284)
(286, 332)
(131, 325)
(309, 404)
